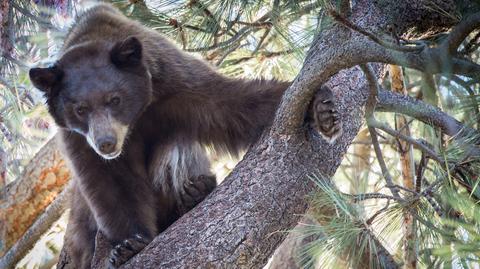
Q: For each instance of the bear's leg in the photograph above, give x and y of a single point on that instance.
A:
(81, 231)
(196, 189)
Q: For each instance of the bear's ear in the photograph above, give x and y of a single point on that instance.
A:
(127, 53)
(45, 79)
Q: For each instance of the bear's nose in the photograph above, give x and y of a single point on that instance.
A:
(107, 144)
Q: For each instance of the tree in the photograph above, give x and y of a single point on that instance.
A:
(226, 229)
(238, 225)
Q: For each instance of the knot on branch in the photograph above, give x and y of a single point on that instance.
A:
(173, 22)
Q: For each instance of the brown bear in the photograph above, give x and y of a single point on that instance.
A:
(135, 114)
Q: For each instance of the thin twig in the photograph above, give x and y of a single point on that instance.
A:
(372, 218)
(262, 39)
(367, 196)
(416, 143)
(420, 170)
(237, 37)
(228, 52)
(381, 162)
(370, 108)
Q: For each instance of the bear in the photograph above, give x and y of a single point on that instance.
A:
(135, 114)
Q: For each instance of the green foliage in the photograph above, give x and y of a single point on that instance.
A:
(344, 234)
(242, 38)
(445, 209)
(24, 122)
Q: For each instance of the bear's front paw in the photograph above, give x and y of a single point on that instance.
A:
(196, 189)
(324, 117)
(126, 250)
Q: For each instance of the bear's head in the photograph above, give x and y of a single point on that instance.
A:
(98, 90)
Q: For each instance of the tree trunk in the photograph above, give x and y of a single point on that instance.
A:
(6, 44)
(28, 197)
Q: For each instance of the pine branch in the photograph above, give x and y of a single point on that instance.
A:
(367, 196)
(41, 21)
(427, 59)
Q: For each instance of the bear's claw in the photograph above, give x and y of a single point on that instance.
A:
(126, 250)
(325, 118)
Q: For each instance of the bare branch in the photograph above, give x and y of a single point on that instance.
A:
(427, 59)
(381, 162)
(430, 60)
(460, 32)
(366, 196)
(374, 88)
(391, 102)
(370, 107)
(416, 143)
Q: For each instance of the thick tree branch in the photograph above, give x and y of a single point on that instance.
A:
(391, 102)
(431, 60)
(42, 224)
(27, 197)
(358, 49)
(460, 32)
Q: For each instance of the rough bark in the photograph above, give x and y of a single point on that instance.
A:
(51, 214)
(3, 172)
(28, 197)
(6, 44)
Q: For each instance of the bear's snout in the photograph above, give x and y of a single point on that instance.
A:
(107, 144)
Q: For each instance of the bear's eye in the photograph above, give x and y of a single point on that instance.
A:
(81, 110)
(115, 101)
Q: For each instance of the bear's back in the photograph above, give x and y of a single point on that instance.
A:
(101, 23)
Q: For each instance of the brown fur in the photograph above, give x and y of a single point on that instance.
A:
(173, 104)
